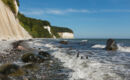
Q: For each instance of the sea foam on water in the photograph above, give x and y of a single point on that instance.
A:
(91, 64)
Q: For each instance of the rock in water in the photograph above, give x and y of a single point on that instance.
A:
(11, 70)
(63, 42)
(111, 45)
(44, 54)
(30, 57)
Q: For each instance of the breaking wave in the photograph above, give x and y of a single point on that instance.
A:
(120, 48)
(92, 64)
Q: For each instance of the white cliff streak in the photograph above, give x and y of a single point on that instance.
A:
(17, 8)
(66, 35)
(10, 29)
(49, 30)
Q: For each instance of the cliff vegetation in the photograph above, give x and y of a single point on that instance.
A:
(11, 4)
(35, 27)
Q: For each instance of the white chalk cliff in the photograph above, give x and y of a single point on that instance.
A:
(66, 35)
(10, 29)
(49, 30)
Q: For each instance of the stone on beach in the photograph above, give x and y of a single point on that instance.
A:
(31, 57)
(30, 66)
(17, 43)
(11, 70)
(111, 45)
(21, 48)
(44, 54)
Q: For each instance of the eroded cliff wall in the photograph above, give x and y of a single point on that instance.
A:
(10, 29)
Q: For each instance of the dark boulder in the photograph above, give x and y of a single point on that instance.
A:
(16, 44)
(111, 45)
(30, 40)
(11, 70)
(63, 42)
(30, 57)
(45, 55)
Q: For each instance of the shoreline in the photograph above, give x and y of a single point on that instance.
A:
(48, 70)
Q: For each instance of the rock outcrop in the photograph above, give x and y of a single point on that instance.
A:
(111, 45)
(10, 29)
(66, 35)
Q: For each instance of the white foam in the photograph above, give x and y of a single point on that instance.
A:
(86, 69)
(98, 67)
(120, 48)
(98, 46)
(84, 40)
(5, 45)
(123, 49)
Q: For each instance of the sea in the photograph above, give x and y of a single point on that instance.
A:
(87, 59)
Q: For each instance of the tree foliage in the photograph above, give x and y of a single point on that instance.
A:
(35, 27)
(10, 4)
(18, 2)
(61, 29)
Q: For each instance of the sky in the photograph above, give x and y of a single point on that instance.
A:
(87, 18)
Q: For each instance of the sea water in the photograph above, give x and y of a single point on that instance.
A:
(88, 59)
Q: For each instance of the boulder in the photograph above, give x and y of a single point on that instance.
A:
(44, 54)
(21, 48)
(30, 57)
(63, 42)
(11, 70)
(111, 45)
(30, 66)
(16, 44)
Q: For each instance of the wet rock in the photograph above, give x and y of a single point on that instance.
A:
(63, 42)
(25, 78)
(11, 70)
(21, 48)
(30, 66)
(3, 77)
(30, 57)
(4, 40)
(111, 45)
(82, 57)
(77, 54)
(30, 40)
(16, 44)
(39, 48)
(44, 54)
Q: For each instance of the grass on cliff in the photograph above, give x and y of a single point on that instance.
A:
(11, 4)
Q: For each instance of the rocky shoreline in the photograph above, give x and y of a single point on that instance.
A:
(13, 67)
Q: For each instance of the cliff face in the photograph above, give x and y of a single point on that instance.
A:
(43, 29)
(10, 29)
(66, 35)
